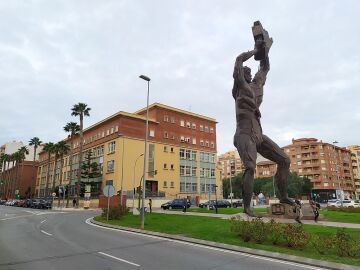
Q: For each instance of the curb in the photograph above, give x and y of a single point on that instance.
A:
(249, 251)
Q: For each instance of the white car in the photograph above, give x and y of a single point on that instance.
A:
(334, 203)
(347, 203)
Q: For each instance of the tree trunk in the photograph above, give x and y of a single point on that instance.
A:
(80, 160)
(54, 173)
(70, 161)
(33, 183)
(61, 171)
(47, 176)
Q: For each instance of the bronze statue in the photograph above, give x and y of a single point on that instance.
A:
(249, 139)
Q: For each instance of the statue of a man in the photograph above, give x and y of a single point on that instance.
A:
(249, 139)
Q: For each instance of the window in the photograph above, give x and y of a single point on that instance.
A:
(116, 128)
(165, 166)
(187, 170)
(172, 149)
(212, 173)
(172, 136)
(212, 145)
(201, 142)
(182, 170)
(187, 154)
(182, 123)
(166, 118)
(188, 124)
(299, 163)
(165, 184)
(193, 171)
(193, 155)
(206, 129)
(165, 148)
(103, 134)
(193, 126)
(172, 167)
(182, 153)
(172, 119)
(201, 156)
(112, 130)
(172, 184)
(211, 130)
(111, 147)
(201, 128)
(194, 140)
(107, 132)
(152, 133)
(110, 166)
(109, 182)
(166, 135)
(182, 138)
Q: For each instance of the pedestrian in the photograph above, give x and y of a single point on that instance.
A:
(150, 205)
(184, 205)
(298, 212)
(74, 202)
(315, 206)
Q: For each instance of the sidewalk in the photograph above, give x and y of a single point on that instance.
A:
(74, 209)
(265, 219)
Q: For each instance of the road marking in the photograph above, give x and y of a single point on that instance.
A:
(208, 247)
(16, 217)
(43, 221)
(46, 233)
(116, 258)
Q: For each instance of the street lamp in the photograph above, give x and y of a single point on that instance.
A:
(133, 198)
(145, 150)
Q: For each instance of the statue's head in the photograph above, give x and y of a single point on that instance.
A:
(247, 74)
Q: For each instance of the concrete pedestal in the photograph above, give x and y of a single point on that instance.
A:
(282, 210)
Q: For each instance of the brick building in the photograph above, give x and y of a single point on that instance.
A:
(181, 149)
(355, 162)
(230, 164)
(328, 166)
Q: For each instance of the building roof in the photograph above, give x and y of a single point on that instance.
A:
(121, 113)
(156, 104)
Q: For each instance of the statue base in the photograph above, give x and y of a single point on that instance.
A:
(282, 210)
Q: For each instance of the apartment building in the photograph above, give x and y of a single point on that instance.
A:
(230, 163)
(265, 168)
(181, 154)
(327, 165)
(355, 162)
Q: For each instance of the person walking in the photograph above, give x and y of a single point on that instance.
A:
(150, 205)
(298, 211)
(315, 208)
(74, 202)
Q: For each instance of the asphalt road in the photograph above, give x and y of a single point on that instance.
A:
(40, 239)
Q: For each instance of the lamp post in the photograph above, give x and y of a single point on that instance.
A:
(337, 174)
(145, 150)
(133, 198)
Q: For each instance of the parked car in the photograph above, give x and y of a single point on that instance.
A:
(238, 203)
(222, 204)
(206, 204)
(357, 203)
(175, 204)
(334, 203)
(2, 202)
(347, 203)
(20, 203)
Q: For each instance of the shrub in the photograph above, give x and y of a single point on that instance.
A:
(259, 230)
(275, 232)
(322, 243)
(343, 243)
(115, 212)
(242, 228)
(349, 209)
(295, 236)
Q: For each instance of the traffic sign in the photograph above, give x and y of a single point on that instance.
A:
(109, 190)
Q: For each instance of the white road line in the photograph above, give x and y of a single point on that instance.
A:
(16, 217)
(43, 221)
(208, 247)
(46, 233)
(116, 258)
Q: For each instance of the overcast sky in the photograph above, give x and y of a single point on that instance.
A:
(58, 53)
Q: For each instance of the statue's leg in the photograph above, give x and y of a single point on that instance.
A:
(270, 150)
(247, 151)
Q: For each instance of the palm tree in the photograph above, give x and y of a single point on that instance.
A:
(36, 143)
(21, 156)
(74, 129)
(48, 147)
(2, 180)
(63, 148)
(55, 151)
(80, 110)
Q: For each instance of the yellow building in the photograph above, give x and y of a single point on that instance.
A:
(181, 155)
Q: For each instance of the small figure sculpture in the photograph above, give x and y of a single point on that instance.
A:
(249, 139)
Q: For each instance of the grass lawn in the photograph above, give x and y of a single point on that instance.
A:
(227, 211)
(338, 216)
(218, 230)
